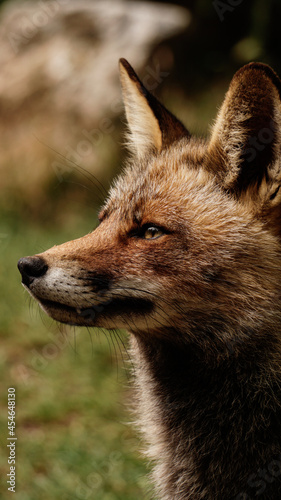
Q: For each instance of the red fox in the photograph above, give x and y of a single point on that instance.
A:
(187, 258)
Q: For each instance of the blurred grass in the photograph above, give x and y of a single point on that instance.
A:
(71, 389)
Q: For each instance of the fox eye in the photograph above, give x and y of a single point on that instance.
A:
(152, 232)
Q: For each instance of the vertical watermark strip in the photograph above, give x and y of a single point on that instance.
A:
(12, 439)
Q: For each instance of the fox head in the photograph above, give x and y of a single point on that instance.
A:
(188, 245)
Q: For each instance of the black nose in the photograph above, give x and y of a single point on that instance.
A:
(31, 267)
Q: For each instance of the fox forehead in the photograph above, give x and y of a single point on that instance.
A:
(159, 176)
(171, 186)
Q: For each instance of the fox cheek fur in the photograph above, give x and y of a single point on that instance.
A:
(187, 257)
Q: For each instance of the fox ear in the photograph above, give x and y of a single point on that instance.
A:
(246, 140)
(152, 127)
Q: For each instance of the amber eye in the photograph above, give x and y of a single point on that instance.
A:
(152, 232)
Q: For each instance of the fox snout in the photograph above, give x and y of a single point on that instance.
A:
(70, 291)
(66, 297)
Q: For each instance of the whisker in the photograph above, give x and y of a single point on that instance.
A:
(169, 303)
(74, 183)
(88, 175)
(92, 344)
(125, 349)
(165, 313)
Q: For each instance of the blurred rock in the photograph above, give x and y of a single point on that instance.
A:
(59, 86)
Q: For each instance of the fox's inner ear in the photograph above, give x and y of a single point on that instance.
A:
(246, 140)
(152, 127)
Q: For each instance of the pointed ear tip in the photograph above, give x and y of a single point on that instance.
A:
(125, 69)
(123, 61)
(121, 65)
(255, 65)
(127, 73)
(124, 65)
(265, 69)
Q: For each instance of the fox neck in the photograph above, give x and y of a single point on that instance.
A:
(208, 422)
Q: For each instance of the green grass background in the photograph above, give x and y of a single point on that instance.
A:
(72, 390)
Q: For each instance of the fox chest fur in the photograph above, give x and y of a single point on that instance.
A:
(187, 258)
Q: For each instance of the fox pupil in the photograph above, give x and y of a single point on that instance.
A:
(152, 233)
